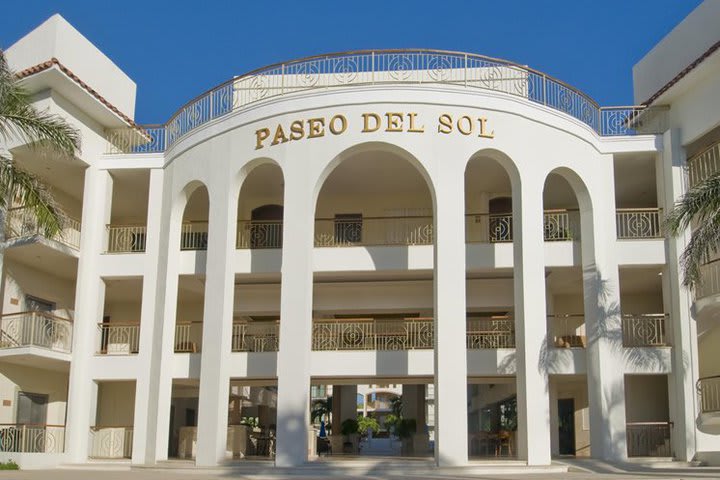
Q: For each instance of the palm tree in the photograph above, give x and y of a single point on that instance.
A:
(700, 205)
(321, 410)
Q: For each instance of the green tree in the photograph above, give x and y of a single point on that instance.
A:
(700, 205)
(366, 424)
(321, 410)
(21, 121)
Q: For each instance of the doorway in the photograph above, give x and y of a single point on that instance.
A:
(566, 426)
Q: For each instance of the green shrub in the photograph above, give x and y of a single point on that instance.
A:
(366, 424)
(9, 465)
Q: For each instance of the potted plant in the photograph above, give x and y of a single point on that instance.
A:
(406, 429)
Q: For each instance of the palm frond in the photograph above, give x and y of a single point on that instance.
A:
(701, 248)
(25, 189)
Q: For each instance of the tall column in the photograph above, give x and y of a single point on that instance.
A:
(413, 397)
(451, 439)
(293, 364)
(89, 298)
(531, 323)
(217, 328)
(605, 354)
(677, 300)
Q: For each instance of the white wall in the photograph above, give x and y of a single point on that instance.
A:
(115, 404)
(21, 280)
(18, 378)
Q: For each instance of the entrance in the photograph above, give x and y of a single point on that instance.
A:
(566, 426)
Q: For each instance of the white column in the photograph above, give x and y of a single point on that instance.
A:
(89, 298)
(154, 386)
(605, 354)
(531, 323)
(554, 423)
(451, 439)
(678, 304)
(217, 329)
(293, 365)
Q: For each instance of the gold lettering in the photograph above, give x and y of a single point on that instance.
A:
(343, 124)
(394, 122)
(366, 122)
(469, 121)
(260, 136)
(297, 130)
(280, 136)
(445, 123)
(412, 128)
(317, 127)
(483, 129)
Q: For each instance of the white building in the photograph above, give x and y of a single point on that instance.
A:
(413, 218)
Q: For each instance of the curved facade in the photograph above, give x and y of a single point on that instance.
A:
(475, 231)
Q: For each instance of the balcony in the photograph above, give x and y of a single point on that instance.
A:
(255, 337)
(126, 238)
(36, 329)
(188, 337)
(709, 280)
(32, 438)
(642, 330)
(22, 223)
(111, 442)
(708, 389)
(703, 164)
(117, 338)
(649, 439)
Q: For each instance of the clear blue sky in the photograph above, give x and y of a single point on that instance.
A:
(175, 50)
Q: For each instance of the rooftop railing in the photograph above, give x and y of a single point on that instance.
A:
(387, 67)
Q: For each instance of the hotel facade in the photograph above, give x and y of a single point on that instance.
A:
(483, 237)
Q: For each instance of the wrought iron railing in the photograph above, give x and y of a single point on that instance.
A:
(194, 236)
(259, 234)
(709, 394)
(709, 280)
(116, 338)
(494, 332)
(22, 222)
(558, 225)
(111, 441)
(407, 230)
(646, 330)
(568, 330)
(703, 164)
(36, 329)
(188, 337)
(383, 67)
(634, 223)
(126, 238)
(32, 438)
(649, 439)
(371, 334)
(255, 337)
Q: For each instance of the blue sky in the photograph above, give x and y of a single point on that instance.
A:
(175, 50)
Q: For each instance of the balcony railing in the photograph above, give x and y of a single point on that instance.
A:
(36, 329)
(194, 236)
(32, 438)
(709, 394)
(634, 223)
(371, 334)
(568, 330)
(259, 234)
(116, 338)
(408, 230)
(649, 439)
(111, 441)
(558, 225)
(21, 222)
(255, 337)
(703, 164)
(188, 337)
(646, 330)
(126, 238)
(709, 279)
(382, 67)
(494, 332)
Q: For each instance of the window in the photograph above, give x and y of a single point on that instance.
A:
(348, 228)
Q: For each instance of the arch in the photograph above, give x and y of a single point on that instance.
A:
(195, 217)
(259, 206)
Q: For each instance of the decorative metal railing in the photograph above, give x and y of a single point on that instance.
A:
(32, 438)
(126, 238)
(383, 67)
(188, 337)
(634, 223)
(709, 280)
(111, 441)
(703, 164)
(194, 236)
(646, 330)
(408, 230)
(709, 394)
(116, 338)
(36, 329)
(561, 225)
(649, 439)
(494, 332)
(568, 330)
(22, 222)
(558, 225)
(259, 234)
(371, 334)
(255, 337)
